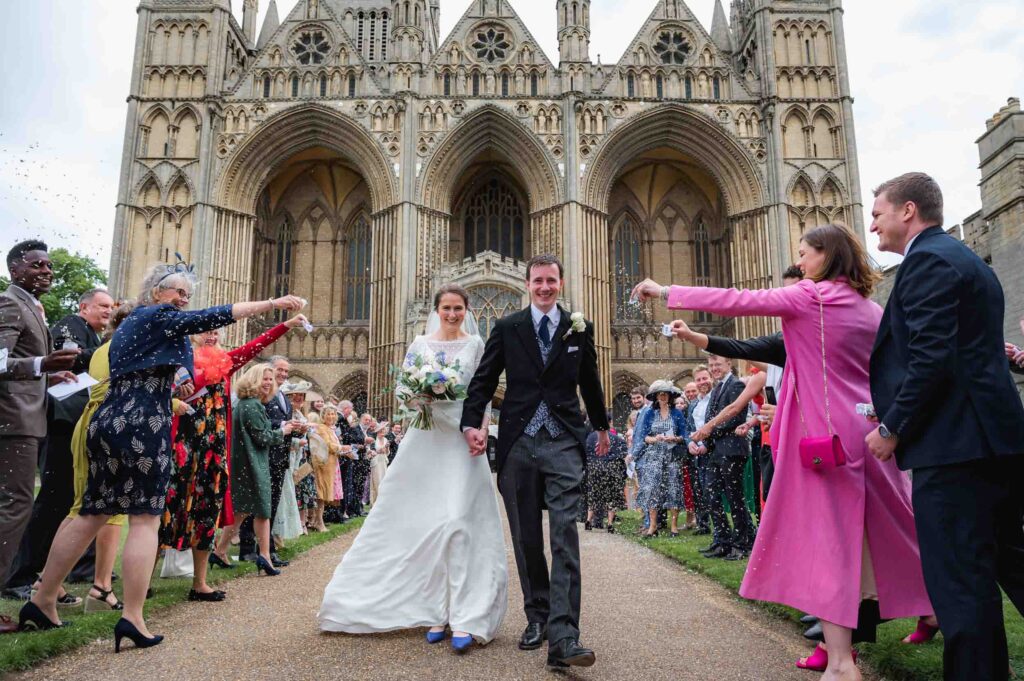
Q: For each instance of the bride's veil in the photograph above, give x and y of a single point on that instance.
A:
(469, 324)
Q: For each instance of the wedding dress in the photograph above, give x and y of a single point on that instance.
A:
(432, 550)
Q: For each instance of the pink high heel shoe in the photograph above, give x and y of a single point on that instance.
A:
(818, 662)
(924, 633)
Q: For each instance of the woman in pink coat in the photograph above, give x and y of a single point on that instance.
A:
(829, 539)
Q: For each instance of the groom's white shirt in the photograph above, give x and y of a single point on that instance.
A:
(554, 317)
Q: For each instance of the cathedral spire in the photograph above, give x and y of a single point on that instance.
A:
(250, 8)
(720, 29)
(270, 24)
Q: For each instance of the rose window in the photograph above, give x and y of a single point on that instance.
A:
(672, 47)
(311, 47)
(491, 45)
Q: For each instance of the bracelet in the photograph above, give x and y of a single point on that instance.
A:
(664, 292)
(271, 301)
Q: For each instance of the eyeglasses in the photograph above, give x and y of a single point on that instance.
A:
(180, 291)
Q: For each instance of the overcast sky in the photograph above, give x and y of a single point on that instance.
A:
(925, 74)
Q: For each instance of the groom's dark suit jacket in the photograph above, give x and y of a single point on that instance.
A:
(513, 348)
(939, 374)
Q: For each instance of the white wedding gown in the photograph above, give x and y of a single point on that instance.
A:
(432, 550)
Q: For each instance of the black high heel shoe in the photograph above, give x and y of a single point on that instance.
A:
(268, 569)
(125, 628)
(220, 562)
(31, 618)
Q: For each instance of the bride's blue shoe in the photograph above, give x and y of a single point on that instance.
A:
(436, 636)
(461, 644)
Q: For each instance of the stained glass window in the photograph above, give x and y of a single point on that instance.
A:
(491, 45)
(283, 265)
(494, 220)
(357, 275)
(311, 47)
(491, 303)
(672, 47)
(626, 268)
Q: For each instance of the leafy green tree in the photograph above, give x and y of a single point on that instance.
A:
(73, 275)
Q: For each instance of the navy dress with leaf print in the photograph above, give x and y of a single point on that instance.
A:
(129, 438)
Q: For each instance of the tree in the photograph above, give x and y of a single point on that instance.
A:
(73, 275)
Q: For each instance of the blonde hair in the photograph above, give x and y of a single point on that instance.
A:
(314, 418)
(329, 409)
(250, 382)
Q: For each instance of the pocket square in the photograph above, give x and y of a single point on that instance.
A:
(574, 348)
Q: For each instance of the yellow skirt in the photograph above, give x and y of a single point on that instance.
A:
(80, 460)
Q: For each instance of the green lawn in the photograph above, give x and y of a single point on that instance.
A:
(889, 657)
(21, 651)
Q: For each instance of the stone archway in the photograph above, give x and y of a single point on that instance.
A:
(282, 136)
(685, 130)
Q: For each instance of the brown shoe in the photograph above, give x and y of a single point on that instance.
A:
(7, 625)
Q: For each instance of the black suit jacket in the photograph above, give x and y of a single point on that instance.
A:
(77, 329)
(768, 349)
(512, 348)
(939, 374)
(724, 441)
(277, 416)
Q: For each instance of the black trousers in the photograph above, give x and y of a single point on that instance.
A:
(51, 506)
(360, 472)
(540, 472)
(767, 470)
(697, 465)
(725, 477)
(278, 472)
(968, 519)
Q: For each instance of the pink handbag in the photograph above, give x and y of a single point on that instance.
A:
(820, 453)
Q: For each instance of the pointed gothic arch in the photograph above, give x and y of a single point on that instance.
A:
(285, 134)
(490, 129)
(680, 128)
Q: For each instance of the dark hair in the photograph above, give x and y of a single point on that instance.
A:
(793, 272)
(454, 289)
(545, 259)
(712, 355)
(919, 189)
(639, 390)
(844, 257)
(19, 250)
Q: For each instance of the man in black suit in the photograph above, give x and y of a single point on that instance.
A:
(727, 457)
(546, 357)
(947, 408)
(57, 479)
(351, 435)
(279, 410)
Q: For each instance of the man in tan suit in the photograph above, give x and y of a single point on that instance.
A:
(27, 365)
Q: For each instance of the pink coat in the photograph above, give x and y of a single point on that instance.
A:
(809, 545)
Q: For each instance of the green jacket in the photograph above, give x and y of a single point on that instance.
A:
(252, 436)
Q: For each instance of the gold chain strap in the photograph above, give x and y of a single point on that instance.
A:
(824, 372)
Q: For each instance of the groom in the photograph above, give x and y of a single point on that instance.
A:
(545, 356)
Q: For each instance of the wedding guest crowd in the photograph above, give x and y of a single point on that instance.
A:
(169, 441)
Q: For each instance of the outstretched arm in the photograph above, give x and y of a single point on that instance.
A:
(785, 301)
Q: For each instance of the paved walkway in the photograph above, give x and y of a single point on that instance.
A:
(645, 616)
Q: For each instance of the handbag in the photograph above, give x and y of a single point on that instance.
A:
(820, 453)
(302, 471)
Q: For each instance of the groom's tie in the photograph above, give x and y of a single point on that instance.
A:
(542, 418)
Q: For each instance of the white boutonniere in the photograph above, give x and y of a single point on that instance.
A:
(579, 324)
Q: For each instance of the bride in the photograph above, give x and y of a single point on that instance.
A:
(432, 551)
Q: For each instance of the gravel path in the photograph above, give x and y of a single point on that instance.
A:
(646, 617)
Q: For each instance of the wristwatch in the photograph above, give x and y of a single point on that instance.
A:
(885, 432)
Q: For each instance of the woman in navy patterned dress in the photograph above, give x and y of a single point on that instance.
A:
(129, 441)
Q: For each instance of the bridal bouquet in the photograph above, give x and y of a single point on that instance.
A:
(423, 379)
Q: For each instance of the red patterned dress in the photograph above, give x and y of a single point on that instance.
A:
(199, 493)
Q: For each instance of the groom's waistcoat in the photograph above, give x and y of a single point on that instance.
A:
(532, 379)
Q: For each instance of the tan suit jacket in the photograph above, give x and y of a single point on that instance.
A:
(24, 335)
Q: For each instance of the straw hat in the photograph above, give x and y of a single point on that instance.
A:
(663, 387)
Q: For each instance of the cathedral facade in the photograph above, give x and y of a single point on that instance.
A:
(348, 153)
